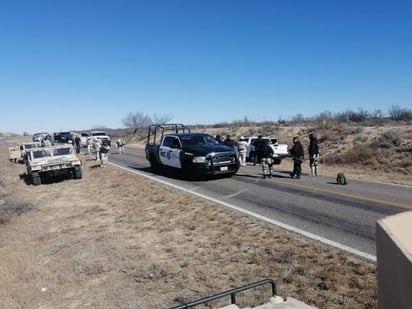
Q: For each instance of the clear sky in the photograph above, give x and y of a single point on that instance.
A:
(80, 64)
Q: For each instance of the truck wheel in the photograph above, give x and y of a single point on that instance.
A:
(154, 165)
(35, 177)
(77, 172)
(188, 171)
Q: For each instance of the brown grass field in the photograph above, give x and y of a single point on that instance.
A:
(117, 240)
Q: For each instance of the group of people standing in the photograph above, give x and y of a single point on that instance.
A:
(264, 154)
(102, 148)
(298, 156)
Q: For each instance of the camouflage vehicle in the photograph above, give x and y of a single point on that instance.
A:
(25, 149)
(59, 160)
(14, 153)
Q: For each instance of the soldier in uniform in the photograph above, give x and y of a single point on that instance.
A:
(229, 141)
(97, 145)
(242, 148)
(77, 143)
(313, 154)
(120, 145)
(297, 155)
(89, 142)
(46, 141)
(265, 157)
(104, 153)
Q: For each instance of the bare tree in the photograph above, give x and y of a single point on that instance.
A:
(139, 120)
(136, 120)
(161, 119)
(398, 113)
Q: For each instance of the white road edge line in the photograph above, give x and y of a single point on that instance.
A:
(293, 229)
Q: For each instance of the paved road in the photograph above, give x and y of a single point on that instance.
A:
(316, 207)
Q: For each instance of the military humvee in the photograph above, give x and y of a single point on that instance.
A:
(52, 161)
(14, 153)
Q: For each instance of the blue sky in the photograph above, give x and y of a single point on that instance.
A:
(81, 64)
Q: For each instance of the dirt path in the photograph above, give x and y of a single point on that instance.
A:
(116, 240)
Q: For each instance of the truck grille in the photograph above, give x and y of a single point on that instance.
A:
(223, 158)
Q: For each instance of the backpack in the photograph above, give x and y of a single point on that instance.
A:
(341, 179)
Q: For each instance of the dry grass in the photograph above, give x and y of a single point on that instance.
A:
(114, 240)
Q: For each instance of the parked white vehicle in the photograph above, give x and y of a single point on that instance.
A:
(38, 137)
(59, 160)
(83, 138)
(280, 150)
(100, 135)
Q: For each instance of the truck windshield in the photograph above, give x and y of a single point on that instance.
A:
(31, 145)
(62, 151)
(40, 154)
(99, 134)
(198, 140)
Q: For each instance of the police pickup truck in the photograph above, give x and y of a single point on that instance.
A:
(193, 154)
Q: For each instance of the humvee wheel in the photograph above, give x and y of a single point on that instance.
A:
(35, 177)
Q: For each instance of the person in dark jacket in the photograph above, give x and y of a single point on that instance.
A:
(313, 154)
(297, 156)
(256, 145)
(77, 143)
(265, 157)
(229, 141)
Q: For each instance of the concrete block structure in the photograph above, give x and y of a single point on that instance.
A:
(394, 261)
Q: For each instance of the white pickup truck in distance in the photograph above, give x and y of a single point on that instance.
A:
(101, 135)
(280, 151)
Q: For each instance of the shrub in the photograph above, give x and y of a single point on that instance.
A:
(11, 207)
(392, 137)
(360, 153)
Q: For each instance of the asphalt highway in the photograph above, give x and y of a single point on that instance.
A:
(343, 216)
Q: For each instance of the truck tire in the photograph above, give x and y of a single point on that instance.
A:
(188, 173)
(35, 177)
(78, 172)
(154, 165)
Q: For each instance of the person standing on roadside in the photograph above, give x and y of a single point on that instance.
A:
(265, 157)
(97, 145)
(256, 145)
(89, 143)
(229, 141)
(297, 156)
(313, 154)
(77, 143)
(242, 149)
(120, 145)
(104, 153)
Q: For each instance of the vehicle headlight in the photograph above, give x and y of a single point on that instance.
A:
(199, 159)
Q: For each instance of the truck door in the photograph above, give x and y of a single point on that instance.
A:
(169, 151)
